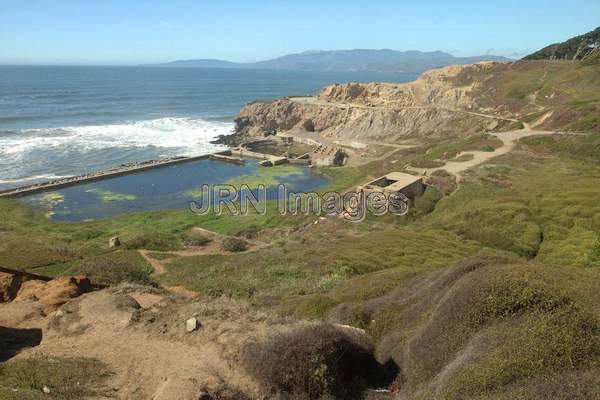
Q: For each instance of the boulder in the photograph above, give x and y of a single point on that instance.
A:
(9, 286)
(114, 242)
(191, 325)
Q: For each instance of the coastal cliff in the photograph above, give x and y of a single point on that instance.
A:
(455, 100)
(439, 102)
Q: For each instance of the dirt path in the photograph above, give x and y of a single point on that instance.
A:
(324, 103)
(509, 141)
(158, 267)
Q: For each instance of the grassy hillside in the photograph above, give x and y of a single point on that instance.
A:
(555, 95)
(577, 48)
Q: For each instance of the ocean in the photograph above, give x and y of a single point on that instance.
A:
(64, 121)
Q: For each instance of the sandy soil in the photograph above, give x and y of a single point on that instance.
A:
(142, 337)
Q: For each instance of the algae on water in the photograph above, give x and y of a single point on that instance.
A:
(51, 200)
(108, 196)
(267, 176)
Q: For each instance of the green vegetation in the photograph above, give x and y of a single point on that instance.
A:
(122, 266)
(162, 256)
(234, 245)
(156, 241)
(66, 378)
(315, 362)
(267, 176)
(585, 148)
(537, 209)
(342, 178)
(434, 153)
(518, 321)
(560, 95)
(108, 196)
(577, 48)
(30, 240)
(427, 163)
(108, 268)
(318, 263)
(51, 200)
(195, 238)
(516, 126)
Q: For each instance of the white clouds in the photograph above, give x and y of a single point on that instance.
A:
(164, 24)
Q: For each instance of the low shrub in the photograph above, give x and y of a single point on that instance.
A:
(427, 163)
(314, 307)
(195, 239)
(114, 271)
(151, 241)
(250, 232)
(426, 203)
(234, 244)
(315, 362)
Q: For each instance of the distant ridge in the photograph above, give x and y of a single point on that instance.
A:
(385, 60)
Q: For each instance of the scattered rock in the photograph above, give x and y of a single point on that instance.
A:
(46, 389)
(114, 242)
(9, 286)
(191, 325)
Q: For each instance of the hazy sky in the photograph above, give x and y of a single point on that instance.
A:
(135, 31)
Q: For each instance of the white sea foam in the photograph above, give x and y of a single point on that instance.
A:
(188, 136)
(40, 178)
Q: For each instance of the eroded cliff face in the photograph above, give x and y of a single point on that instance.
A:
(438, 103)
(439, 87)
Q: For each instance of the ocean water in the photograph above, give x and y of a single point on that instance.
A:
(64, 121)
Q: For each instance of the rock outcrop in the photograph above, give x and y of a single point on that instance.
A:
(438, 103)
(9, 286)
(49, 294)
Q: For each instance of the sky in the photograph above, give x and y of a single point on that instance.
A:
(130, 32)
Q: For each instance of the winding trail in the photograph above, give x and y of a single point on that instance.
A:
(509, 139)
(344, 106)
(213, 247)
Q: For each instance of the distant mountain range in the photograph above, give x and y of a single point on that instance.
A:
(414, 62)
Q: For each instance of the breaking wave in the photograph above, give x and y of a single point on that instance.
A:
(183, 136)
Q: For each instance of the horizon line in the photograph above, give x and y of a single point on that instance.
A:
(139, 64)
